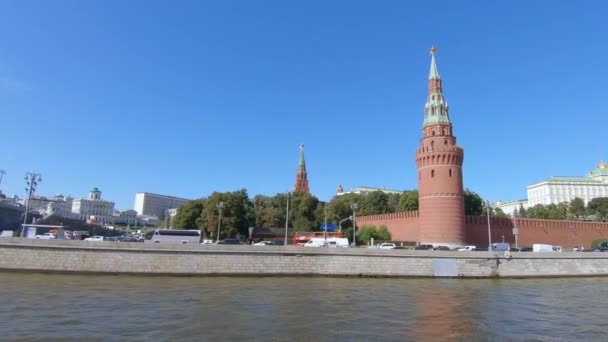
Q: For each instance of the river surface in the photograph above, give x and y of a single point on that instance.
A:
(41, 307)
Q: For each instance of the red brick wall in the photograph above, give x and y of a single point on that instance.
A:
(405, 227)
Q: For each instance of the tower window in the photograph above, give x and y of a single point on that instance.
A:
(450, 172)
(445, 142)
(432, 145)
(432, 173)
(433, 133)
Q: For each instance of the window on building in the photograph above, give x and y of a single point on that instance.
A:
(432, 173)
(450, 172)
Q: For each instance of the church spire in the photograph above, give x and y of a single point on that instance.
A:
(301, 176)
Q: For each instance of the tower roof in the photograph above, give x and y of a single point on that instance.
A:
(433, 73)
(301, 163)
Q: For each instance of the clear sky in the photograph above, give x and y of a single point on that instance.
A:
(189, 97)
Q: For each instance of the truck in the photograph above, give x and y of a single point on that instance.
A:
(334, 242)
(541, 247)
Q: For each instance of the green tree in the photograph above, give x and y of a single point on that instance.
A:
(189, 214)
(577, 209)
(408, 201)
(599, 208)
(473, 204)
(383, 233)
(499, 213)
(237, 214)
(366, 232)
(302, 211)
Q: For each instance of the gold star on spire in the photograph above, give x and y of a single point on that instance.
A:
(433, 49)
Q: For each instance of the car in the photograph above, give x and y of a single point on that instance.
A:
(424, 247)
(467, 248)
(526, 249)
(94, 238)
(207, 242)
(513, 249)
(46, 236)
(441, 248)
(112, 238)
(127, 239)
(264, 243)
(388, 245)
(229, 242)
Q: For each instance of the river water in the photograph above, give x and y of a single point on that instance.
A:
(39, 307)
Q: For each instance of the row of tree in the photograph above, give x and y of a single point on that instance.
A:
(306, 212)
(596, 209)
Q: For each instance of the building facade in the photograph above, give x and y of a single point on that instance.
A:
(439, 162)
(149, 204)
(301, 184)
(555, 190)
(94, 206)
(365, 190)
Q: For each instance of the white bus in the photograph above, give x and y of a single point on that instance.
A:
(175, 236)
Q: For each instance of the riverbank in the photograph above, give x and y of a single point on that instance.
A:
(34, 255)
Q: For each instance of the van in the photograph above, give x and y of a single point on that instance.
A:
(330, 242)
(501, 246)
(540, 247)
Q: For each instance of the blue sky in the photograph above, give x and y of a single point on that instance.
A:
(189, 97)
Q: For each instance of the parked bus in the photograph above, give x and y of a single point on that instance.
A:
(301, 238)
(192, 236)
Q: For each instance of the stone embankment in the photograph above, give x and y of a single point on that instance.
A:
(18, 254)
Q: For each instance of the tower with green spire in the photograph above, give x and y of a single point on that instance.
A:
(439, 161)
(301, 176)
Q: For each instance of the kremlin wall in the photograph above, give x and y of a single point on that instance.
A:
(405, 227)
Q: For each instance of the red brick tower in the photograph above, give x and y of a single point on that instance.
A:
(439, 163)
(301, 177)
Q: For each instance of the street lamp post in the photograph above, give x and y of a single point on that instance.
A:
(354, 208)
(32, 180)
(220, 206)
(340, 223)
(287, 218)
(2, 173)
(325, 231)
(489, 228)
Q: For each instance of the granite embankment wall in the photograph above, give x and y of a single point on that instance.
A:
(132, 258)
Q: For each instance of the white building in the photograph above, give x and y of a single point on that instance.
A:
(103, 211)
(148, 204)
(556, 190)
(365, 190)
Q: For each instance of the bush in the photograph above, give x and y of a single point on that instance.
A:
(598, 243)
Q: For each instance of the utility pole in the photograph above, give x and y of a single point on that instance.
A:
(220, 206)
(287, 218)
(32, 180)
(325, 231)
(354, 208)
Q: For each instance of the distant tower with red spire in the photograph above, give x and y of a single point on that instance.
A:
(301, 177)
(439, 162)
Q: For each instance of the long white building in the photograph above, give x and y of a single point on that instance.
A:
(150, 204)
(556, 190)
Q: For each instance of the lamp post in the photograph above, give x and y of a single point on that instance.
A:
(32, 180)
(489, 228)
(515, 229)
(325, 231)
(340, 223)
(287, 218)
(220, 206)
(354, 208)
(2, 173)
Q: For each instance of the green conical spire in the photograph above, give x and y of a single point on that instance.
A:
(433, 73)
(302, 163)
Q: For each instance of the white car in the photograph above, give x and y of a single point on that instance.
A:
(94, 238)
(264, 243)
(466, 248)
(388, 245)
(207, 242)
(46, 236)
